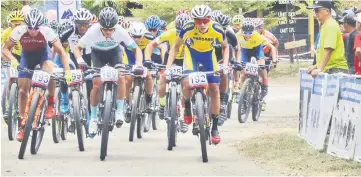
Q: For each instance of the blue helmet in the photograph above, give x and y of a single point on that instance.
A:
(153, 22)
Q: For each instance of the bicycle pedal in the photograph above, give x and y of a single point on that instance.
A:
(195, 131)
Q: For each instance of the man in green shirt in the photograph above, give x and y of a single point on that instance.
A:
(330, 49)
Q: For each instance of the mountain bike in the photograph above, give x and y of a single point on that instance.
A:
(153, 118)
(250, 94)
(59, 124)
(34, 118)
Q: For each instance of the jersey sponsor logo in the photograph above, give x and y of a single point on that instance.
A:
(216, 44)
(189, 42)
(105, 43)
(203, 39)
(188, 26)
(217, 26)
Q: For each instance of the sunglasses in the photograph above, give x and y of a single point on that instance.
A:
(33, 28)
(202, 21)
(15, 24)
(247, 32)
(136, 36)
(153, 30)
(82, 25)
(108, 29)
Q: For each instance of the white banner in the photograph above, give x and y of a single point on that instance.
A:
(66, 9)
(342, 138)
(306, 84)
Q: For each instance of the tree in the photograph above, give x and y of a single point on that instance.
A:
(166, 9)
(8, 6)
(97, 5)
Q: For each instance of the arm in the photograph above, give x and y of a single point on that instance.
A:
(163, 50)
(63, 56)
(138, 56)
(149, 49)
(173, 51)
(77, 52)
(6, 50)
(326, 58)
(358, 53)
(273, 50)
(225, 52)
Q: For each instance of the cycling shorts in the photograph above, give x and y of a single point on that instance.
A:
(30, 59)
(101, 58)
(219, 53)
(193, 58)
(57, 61)
(178, 62)
(257, 52)
(156, 58)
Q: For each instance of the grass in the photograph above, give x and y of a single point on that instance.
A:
(285, 68)
(290, 154)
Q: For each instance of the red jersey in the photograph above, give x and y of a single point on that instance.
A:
(357, 44)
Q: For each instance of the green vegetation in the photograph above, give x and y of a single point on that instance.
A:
(285, 68)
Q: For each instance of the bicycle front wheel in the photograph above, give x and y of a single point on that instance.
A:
(76, 114)
(37, 137)
(134, 113)
(244, 106)
(172, 129)
(13, 122)
(56, 122)
(105, 128)
(28, 125)
(201, 123)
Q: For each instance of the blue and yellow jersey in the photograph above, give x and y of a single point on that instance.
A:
(202, 42)
(130, 57)
(5, 35)
(255, 40)
(170, 37)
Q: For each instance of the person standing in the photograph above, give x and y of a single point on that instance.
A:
(330, 50)
(357, 45)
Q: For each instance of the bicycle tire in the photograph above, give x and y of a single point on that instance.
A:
(155, 116)
(13, 121)
(201, 122)
(105, 128)
(148, 120)
(38, 135)
(4, 98)
(64, 128)
(256, 103)
(173, 117)
(133, 116)
(28, 125)
(243, 94)
(56, 123)
(77, 116)
(141, 118)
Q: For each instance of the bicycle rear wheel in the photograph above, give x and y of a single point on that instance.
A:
(105, 124)
(56, 123)
(134, 113)
(201, 123)
(13, 122)
(172, 129)
(244, 106)
(256, 103)
(4, 101)
(141, 119)
(77, 116)
(28, 125)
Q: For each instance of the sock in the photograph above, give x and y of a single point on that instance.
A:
(51, 100)
(187, 104)
(94, 112)
(120, 105)
(162, 101)
(215, 122)
(64, 97)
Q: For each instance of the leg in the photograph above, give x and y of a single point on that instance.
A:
(223, 98)
(120, 101)
(50, 111)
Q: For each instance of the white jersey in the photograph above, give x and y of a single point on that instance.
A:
(73, 39)
(96, 40)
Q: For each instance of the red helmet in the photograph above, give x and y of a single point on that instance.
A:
(181, 12)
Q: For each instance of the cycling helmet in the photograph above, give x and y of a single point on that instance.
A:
(8, 19)
(258, 22)
(247, 25)
(180, 20)
(54, 25)
(65, 25)
(137, 28)
(94, 19)
(163, 24)
(120, 19)
(108, 17)
(223, 20)
(237, 19)
(201, 11)
(34, 18)
(82, 14)
(125, 24)
(182, 11)
(16, 16)
(153, 22)
(215, 14)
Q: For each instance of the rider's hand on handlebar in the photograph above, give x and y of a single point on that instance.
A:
(67, 76)
(168, 74)
(148, 64)
(138, 70)
(83, 66)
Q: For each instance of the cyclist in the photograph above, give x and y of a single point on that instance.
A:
(267, 49)
(224, 21)
(252, 43)
(15, 18)
(120, 19)
(215, 14)
(125, 24)
(163, 25)
(199, 37)
(169, 37)
(142, 37)
(237, 21)
(153, 24)
(33, 38)
(104, 39)
(93, 20)
(171, 25)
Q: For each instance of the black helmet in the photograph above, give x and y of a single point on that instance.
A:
(108, 17)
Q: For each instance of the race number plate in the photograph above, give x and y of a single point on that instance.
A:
(40, 78)
(14, 73)
(108, 74)
(252, 69)
(197, 79)
(76, 77)
(178, 70)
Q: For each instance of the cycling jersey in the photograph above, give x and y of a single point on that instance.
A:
(169, 37)
(71, 35)
(33, 44)
(200, 48)
(232, 40)
(5, 35)
(253, 47)
(96, 40)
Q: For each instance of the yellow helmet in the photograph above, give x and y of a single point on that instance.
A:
(16, 16)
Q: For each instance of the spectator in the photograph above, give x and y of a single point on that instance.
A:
(330, 54)
(349, 24)
(357, 46)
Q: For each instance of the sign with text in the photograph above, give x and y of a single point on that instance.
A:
(66, 9)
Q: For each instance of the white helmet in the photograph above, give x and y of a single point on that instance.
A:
(82, 14)
(34, 18)
(201, 11)
(137, 28)
(215, 14)
(120, 19)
